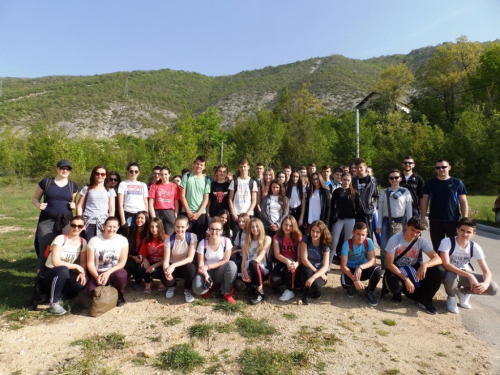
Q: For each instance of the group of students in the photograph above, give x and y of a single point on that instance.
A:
(238, 234)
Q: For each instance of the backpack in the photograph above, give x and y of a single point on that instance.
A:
(191, 175)
(172, 239)
(205, 241)
(47, 249)
(351, 244)
(471, 251)
(47, 185)
(250, 184)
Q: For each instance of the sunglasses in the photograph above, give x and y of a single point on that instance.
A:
(442, 167)
(97, 174)
(113, 179)
(408, 162)
(76, 226)
(394, 178)
(132, 171)
(65, 169)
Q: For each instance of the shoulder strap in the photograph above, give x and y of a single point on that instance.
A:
(48, 181)
(188, 238)
(65, 238)
(452, 247)
(70, 185)
(251, 184)
(471, 248)
(365, 243)
(235, 184)
(280, 241)
(172, 241)
(351, 244)
(389, 204)
(408, 248)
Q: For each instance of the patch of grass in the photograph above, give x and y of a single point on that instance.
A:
(201, 331)
(179, 358)
(229, 308)
(250, 327)
(321, 366)
(392, 371)
(269, 362)
(331, 339)
(389, 322)
(172, 322)
(384, 350)
(212, 369)
(101, 343)
(200, 302)
(224, 328)
(156, 338)
(444, 333)
(290, 316)
(421, 371)
(139, 361)
(441, 354)
(382, 332)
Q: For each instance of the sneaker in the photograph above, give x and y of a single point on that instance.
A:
(463, 299)
(372, 301)
(228, 297)
(316, 295)
(451, 304)
(429, 309)
(170, 292)
(305, 299)
(57, 309)
(188, 297)
(121, 301)
(147, 288)
(206, 294)
(259, 297)
(397, 298)
(287, 295)
(136, 286)
(161, 287)
(350, 291)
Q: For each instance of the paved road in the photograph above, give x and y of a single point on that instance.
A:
(483, 319)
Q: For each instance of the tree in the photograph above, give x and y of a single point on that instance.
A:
(393, 84)
(486, 80)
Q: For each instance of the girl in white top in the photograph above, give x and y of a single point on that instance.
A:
(132, 196)
(253, 266)
(296, 194)
(265, 187)
(96, 202)
(178, 259)
(214, 265)
(459, 278)
(62, 273)
(401, 209)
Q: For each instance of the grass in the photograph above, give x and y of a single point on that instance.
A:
(103, 342)
(389, 322)
(392, 371)
(382, 332)
(172, 322)
(265, 361)
(229, 308)
(201, 331)
(224, 328)
(179, 358)
(250, 327)
(290, 316)
(480, 209)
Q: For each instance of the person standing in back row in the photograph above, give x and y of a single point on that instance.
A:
(367, 188)
(413, 182)
(242, 193)
(195, 190)
(446, 195)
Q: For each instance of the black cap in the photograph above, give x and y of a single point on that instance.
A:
(64, 163)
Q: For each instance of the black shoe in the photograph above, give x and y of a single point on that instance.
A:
(336, 260)
(396, 298)
(120, 302)
(258, 299)
(316, 295)
(350, 291)
(305, 299)
(372, 301)
(136, 286)
(429, 309)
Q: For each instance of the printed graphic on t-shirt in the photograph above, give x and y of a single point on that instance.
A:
(219, 195)
(288, 250)
(108, 258)
(409, 258)
(135, 189)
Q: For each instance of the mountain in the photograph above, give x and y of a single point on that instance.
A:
(141, 102)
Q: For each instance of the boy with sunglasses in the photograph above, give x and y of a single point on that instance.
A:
(446, 195)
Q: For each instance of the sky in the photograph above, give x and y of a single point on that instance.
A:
(215, 37)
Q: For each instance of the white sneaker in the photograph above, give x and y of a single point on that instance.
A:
(57, 309)
(170, 292)
(188, 297)
(451, 304)
(464, 299)
(287, 295)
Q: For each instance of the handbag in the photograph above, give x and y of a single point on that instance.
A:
(394, 228)
(105, 298)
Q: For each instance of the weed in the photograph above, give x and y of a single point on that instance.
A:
(105, 342)
(156, 338)
(250, 327)
(384, 350)
(290, 316)
(381, 332)
(264, 361)
(331, 339)
(224, 328)
(420, 371)
(139, 361)
(200, 302)
(392, 371)
(459, 347)
(321, 366)
(389, 322)
(179, 358)
(444, 333)
(202, 331)
(172, 322)
(441, 354)
(229, 308)
(212, 369)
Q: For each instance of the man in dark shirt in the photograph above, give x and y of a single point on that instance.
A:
(413, 182)
(446, 195)
(367, 188)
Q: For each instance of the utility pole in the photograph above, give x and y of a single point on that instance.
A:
(1, 84)
(357, 133)
(126, 87)
(221, 151)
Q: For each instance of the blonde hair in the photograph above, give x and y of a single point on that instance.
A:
(248, 234)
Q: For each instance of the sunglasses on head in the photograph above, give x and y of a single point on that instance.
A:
(76, 226)
(132, 171)
(442, 167)
(97, 174)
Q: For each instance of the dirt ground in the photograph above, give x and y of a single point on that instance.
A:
(417, 344)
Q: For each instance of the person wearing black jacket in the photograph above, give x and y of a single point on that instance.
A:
(318, 201)
(413, 182)
(367, 188)
(344, 208)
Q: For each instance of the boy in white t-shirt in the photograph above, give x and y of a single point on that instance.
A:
(242, 192)
(456, 253)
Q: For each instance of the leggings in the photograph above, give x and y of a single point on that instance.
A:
(225, 274)
(347, 225)
(281, 276)
(60, 280)
(187, 272)
(373, 274)
(316, 286)
(256, 273)
(117, 279)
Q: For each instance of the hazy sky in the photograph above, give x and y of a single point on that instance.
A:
(214, 37)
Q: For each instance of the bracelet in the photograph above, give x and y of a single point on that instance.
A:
(404, 281)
